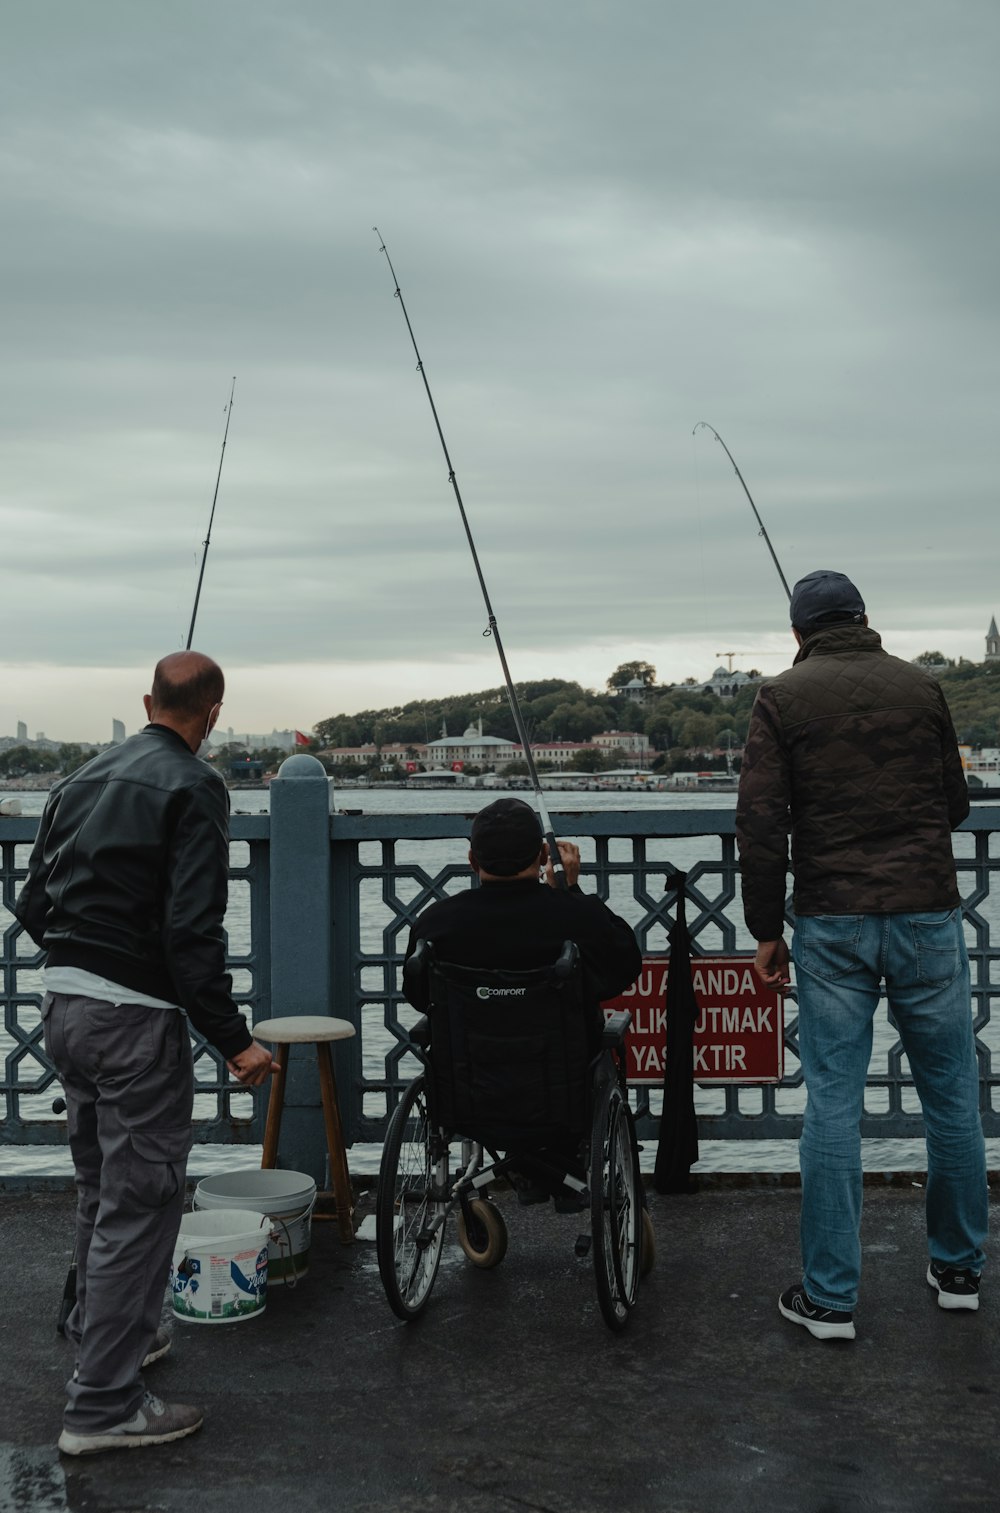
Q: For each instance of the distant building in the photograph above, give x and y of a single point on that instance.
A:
(472, 749)
(282, 740)
(391, 754)
(559, 753)
(22, 729)
(722, 683)
(624, 745)
(117, 732)
(636, 690)
(992, 643)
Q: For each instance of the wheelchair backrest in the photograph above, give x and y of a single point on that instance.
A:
(510, 1052)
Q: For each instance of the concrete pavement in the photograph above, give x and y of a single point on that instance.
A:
(511, 1395)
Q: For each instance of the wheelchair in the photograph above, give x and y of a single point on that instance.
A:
(516, 1080)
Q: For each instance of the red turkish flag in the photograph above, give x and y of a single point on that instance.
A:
(302, 740)
(411, 766)
(457, 766)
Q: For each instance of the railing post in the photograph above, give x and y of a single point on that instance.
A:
(301, 947)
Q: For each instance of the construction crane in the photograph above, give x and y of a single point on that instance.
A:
(729, 655)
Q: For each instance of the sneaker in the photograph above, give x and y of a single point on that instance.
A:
(162, 1342)
(822, 1323)
(955, 1288)
(154, 1423)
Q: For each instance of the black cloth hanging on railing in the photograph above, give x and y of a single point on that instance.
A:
(678, 1146)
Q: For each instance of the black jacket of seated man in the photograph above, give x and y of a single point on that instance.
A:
(515, 922)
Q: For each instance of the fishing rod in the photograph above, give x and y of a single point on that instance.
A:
(208, 538)
(492, 629)
(763, 532)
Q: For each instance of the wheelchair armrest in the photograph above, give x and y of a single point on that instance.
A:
(615, 1027)
(569, 956)
(415, 966)
(420, 1033)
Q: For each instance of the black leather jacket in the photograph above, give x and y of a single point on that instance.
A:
(128, 879)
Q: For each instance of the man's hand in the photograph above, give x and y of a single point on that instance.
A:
(570, 857)
(252, 1066)
(771, 964)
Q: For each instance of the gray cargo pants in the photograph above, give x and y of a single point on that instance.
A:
(129, 1083)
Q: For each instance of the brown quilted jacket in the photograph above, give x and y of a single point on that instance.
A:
(854, 753)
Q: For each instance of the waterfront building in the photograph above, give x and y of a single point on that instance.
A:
(559, 753)
(390, 754)
(980, 764)
(629, 746)
(473, 749)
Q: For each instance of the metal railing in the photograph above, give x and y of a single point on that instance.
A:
(320, 911)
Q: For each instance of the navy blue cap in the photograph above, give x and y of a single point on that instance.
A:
(824, 598)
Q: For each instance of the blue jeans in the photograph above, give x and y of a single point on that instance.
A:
(840, 962)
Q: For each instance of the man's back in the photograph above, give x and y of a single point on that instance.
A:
(105, 841)
(856, 750)
(520, 925)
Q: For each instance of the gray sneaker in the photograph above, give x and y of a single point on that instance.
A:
(154, 1423)
(163, 1341)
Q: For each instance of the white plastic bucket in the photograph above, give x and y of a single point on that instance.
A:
(288, 1198)
(218, 1274)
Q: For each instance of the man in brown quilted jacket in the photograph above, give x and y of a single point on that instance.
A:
(853, 752)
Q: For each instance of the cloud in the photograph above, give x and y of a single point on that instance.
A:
(607, 225)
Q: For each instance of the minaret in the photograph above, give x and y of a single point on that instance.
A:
(993, 642)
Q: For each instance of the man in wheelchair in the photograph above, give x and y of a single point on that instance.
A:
(517, 920)
(519, 1064)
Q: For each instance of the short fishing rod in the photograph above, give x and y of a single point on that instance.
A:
(492, 628)
(208, 538)
(763, 532)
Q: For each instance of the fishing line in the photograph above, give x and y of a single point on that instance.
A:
(763, 532)
(492, 629)
(701, 540)
(208, 538)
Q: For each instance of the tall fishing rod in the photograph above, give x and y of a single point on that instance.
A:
(763, 532)
(492, 628)
(208, 538)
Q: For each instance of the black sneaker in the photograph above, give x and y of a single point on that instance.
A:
(822, 1323)
(955, 1289)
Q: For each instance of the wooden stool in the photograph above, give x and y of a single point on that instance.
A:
(319, 1029)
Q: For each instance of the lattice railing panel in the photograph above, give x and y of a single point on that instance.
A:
(28, 1083)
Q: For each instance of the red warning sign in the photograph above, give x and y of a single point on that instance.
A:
(738, 1035)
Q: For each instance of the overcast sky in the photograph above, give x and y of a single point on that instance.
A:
(609, 221)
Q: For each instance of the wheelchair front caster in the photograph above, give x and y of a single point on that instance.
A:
(484, 1239)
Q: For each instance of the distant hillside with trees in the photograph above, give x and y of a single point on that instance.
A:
(678, 722)
(972, 691)
(557, 710)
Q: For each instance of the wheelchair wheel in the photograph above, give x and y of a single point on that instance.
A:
(647, 1245)
(485, 1240)
(614, 1207)
(405, 1205)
